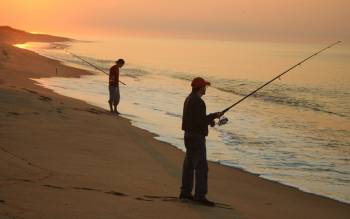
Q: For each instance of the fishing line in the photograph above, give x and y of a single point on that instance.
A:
(224, 120)
(90, 64)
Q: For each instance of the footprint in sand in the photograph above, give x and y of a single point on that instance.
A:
(5, 53)
(13, 113)
(26, 180)
(162, 198)
(59, 110)
(53, 186)
(116, 193)
(45, 98)
(93, 111)
(144, 199)
(30, 91)
(86, 189)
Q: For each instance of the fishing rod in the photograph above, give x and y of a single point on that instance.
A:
(90, 64)
(224, 120)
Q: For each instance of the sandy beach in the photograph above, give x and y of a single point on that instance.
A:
(63, 158)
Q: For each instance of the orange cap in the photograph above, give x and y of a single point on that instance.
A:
(199, 82)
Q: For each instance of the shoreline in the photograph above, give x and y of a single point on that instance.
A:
(223, 176)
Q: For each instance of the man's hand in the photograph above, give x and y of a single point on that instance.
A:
(212, 123)
(218, 114)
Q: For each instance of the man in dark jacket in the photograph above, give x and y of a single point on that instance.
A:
(195, 123)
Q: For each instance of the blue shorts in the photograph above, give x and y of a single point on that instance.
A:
(114, 95)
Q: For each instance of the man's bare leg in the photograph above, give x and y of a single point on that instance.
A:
(115, 109)
(110, 106)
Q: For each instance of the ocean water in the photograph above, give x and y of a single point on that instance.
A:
(295, 131)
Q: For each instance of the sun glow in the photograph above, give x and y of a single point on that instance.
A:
(222, 19)
(22, 46)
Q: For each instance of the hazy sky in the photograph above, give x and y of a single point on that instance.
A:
(216, 19)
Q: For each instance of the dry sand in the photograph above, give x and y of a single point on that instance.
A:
(63, 158)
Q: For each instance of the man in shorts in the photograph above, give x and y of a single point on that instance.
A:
(114, 95)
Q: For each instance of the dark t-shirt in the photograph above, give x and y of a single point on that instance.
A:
(114, 76)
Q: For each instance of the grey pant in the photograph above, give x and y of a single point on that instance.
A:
(195, 166)
(114, 95)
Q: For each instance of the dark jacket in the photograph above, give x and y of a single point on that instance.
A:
(194, 117)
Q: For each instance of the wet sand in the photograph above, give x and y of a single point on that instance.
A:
(63, 158)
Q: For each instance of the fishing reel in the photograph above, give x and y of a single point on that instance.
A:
(222, 121)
